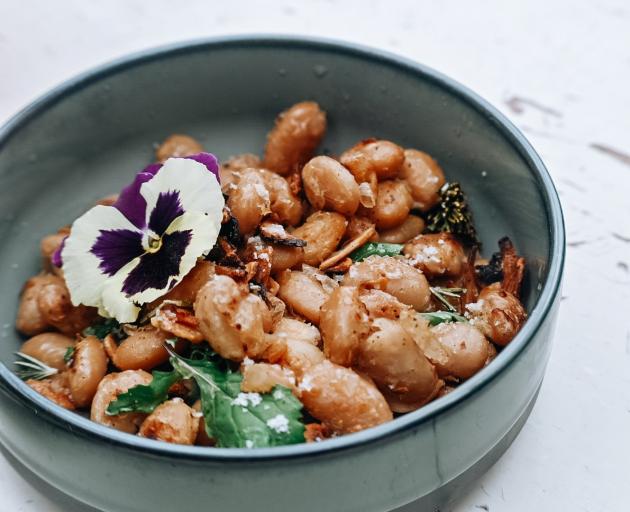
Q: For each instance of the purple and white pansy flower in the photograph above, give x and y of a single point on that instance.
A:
(119, 257)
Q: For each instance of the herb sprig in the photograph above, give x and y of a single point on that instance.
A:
(31, 368)
(441, 294)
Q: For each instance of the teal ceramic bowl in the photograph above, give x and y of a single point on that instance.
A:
(86, 138)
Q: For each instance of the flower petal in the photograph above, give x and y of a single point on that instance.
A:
(203, 231)
(167, 208)
(198, 189)
(56, 258)
(81, 267)
(133, 205)
(116, 304)
(159, 270)
(152, 168)
(117, 247)
(209, 160)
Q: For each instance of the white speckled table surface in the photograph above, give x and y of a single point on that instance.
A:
(559, 69)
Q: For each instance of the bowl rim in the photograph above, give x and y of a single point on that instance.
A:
(77, 424)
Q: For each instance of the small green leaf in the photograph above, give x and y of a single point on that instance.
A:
(439, 317)
(245, 420)
(376, 249)
(101, 330)
(144, 398)
(67, 357)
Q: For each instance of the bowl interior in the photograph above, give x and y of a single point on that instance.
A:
(87, 141)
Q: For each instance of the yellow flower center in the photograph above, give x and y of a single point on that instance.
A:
(154, 243)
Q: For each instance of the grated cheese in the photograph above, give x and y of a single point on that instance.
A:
(245, 399)
(475, 307)
(261, 191)
(279, 423)
(278, 394)
(306, 384)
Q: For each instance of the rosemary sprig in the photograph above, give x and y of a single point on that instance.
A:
(32, 368)
(440, 293)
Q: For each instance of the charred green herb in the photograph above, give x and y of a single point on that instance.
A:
(231, 232)
(453, 215)
(493, 271)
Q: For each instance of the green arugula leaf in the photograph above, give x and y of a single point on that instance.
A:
(108, 326)
(244, 420)
(440, 317)
(144, 398)
(376, 249)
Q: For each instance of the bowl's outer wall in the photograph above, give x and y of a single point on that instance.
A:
(89, 143)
